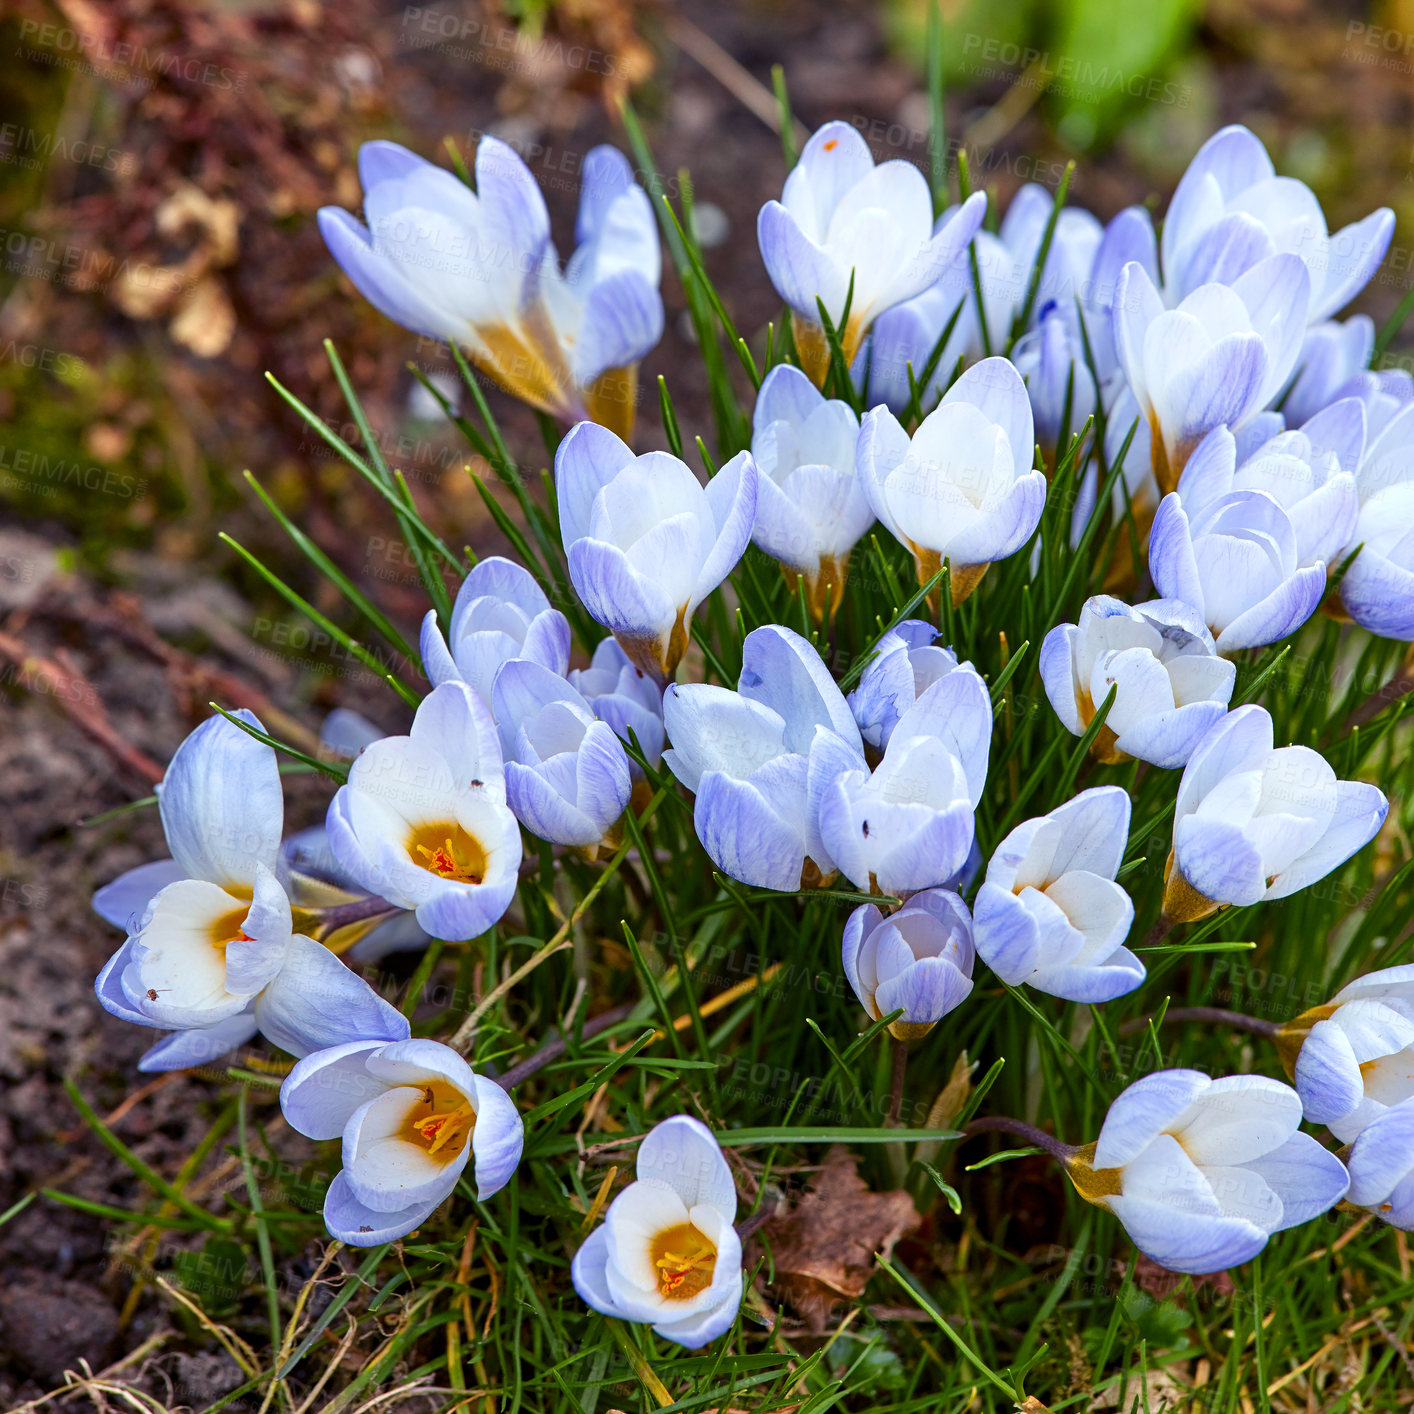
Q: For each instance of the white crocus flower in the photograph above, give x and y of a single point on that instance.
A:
(423, 820)
(1230, 211)
(841, 219)
(1170, 685)
(1202, 1172)
(810, 508)
(1353, 1058)
(213, 955)
(1222, 356)
(501, 613)
(412, 1115)
(1050, 914)
(1253, 822)
(667, 1254)
(645, 541)
(963, 488)
(907, 661)
(478, 269)
(1381, 1163)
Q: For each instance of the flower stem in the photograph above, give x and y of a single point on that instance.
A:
(328, 921)
(553, 1050)
(1217, 1016)
(899, 1070)
(1003, 1124)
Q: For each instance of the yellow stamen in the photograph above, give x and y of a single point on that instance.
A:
(448, 851)
(684, 1259)
(440, 1120)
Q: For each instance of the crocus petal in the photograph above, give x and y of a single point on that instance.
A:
(184, 1049)
(125, 900)
(350, 1221)
(1143, 1111)
(683, 1154)
(324, 1090)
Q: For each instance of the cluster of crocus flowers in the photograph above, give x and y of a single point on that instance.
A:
(1264, 455)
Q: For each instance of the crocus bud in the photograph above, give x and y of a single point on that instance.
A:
(810, 509)
(646, 542)
(962, 488)
(478, 269)
(567, 776)
(1353, 1058)
(907, 662)
(625, 697)
(842, 222)
(1201, 1172)
(1254, 823)
(1050, 914)
(412, 1115)
(666, 1253)
(1171, 688)
(918, 958)
(501, 613)
(758, 759)
(1221, 356)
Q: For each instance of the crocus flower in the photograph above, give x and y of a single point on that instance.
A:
(1381, 1164)
(411, 1115)
(567, 776)
(666, 1253)
(1237, 561)
(1202, 1172)
(758, 758)
(1170, 685)
(646, 542)
(842, 220)
(909, 825)
(907, 661)
(810, 509)
(478, 269)
(1050, 914)
(1255, 823)
(1221, 356)
(1231, 211)
(1331, 355)
(919, 958)
(1378, 588)
(423, 821)
(962, 488)
(1354, 1058)
(625, 697)
(501, 613)
(212, 953)
(1051, 360)
(1309, 471)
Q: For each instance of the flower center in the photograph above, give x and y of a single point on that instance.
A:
(440, 1119)
(448, 851)
(684, 1259)
(228, 929)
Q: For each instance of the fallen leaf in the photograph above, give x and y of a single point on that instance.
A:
(1133, 1393)
(205, 321)
(824, 1247)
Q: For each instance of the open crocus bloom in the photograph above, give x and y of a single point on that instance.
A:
(1255, 823)
(962, 488)
(567, 776)
(423, 819)
(810, 509)
(907, 662)
(1353, 1058)
(1171, 687)
(1381, 1163)
(1221, 356)
(411, 1115)
(909, 825)
(667, 1254)
(1237, 561)
(646, 542)
(759, 758)
(841, 219)
(625, 697)
(1050, 914)
(919, 958)
(1231, 211)
(478, 269)
(1202, 1172)
(501, 613)
(213, 955)
(1309, 471)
